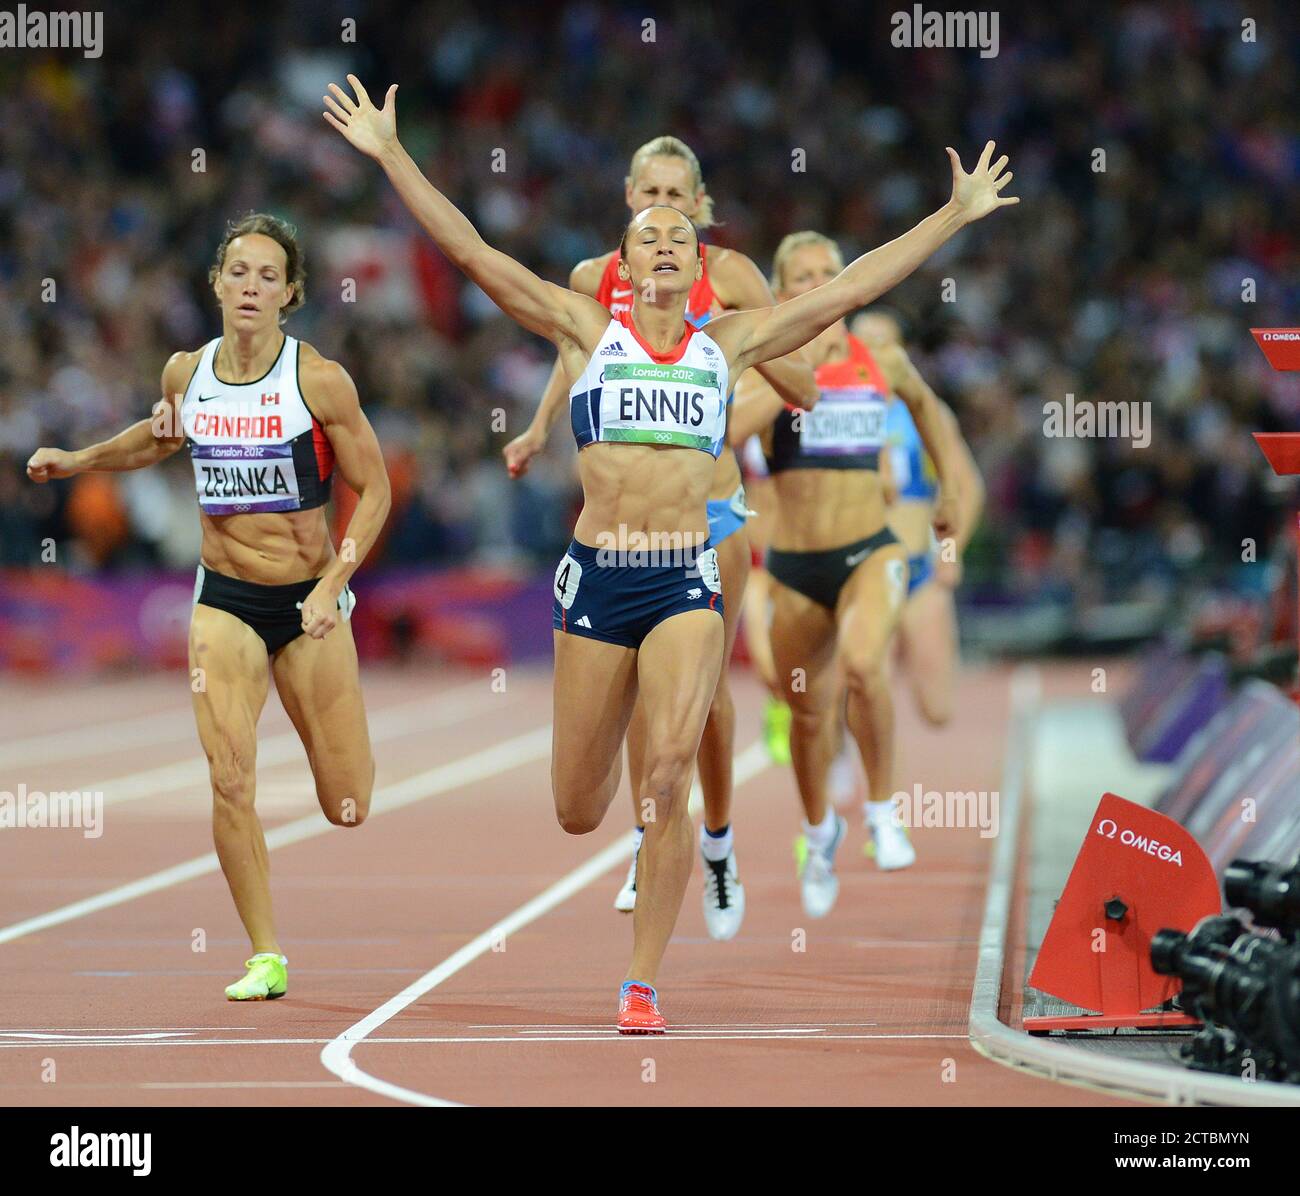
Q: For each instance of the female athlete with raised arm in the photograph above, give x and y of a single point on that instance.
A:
(839, 572)
(648, 409)
(927, 630)
(267, 419)
(666, 171)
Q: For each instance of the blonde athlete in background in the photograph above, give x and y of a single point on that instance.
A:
(926, 639)
(927, 631)
(267, 419)
(666, 171)
(648, 409)
(839, 574)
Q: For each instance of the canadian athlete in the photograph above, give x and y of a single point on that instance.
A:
(268, 422)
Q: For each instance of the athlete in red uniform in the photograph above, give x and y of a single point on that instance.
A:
(839, 572)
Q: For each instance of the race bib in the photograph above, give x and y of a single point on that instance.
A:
(644, 403)
(843, 423)
(567, 576)
(707, 566)
(233, 479)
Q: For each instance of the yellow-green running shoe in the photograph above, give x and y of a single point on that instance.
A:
(267, 978)
(776, 730)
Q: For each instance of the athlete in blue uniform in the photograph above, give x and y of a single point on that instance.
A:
(927, 637)
(666, 170)
(648, 408)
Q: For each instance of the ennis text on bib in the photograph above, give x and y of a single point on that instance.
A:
(256, 447)
(631, 394)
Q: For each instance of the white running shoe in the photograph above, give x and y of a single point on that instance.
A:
(888, 842)
(724, 898)
(625, 902)
(819, 886)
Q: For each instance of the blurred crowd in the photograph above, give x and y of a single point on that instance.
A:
(1155, 150)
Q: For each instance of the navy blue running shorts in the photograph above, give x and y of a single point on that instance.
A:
(620, 597)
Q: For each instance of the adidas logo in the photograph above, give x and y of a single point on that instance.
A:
(694, 592)
(583, 622)
(613, 349)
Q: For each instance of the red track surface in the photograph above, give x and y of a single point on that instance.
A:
(873, 1011)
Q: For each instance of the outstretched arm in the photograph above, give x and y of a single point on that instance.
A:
(144, 443)
(748, 337)
(542, 307)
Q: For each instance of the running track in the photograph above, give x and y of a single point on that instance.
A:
(458, 947)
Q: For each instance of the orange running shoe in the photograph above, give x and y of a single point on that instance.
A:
(638, 1009)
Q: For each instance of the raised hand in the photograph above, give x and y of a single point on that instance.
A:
(371, 130)
(49, 463)
(979, 192)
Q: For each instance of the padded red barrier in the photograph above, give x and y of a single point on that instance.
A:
(1280, 345)
(1136, 873)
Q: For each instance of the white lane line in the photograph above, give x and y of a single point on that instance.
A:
(169, 1042)
(611, 1035)
(337, 1056)
(183, 1084)
(497, 758)
(683, 1025)
(420, 715)
(109, 697)
(165, 726)
(608, 1029)
(50, 1036)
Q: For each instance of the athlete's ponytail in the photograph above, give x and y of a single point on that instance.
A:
(284, 235)
(674, 147)
(789, 244)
